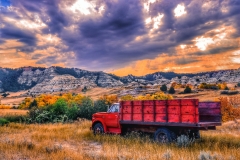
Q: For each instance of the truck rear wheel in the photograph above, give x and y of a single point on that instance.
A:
(98, 129)
(163, 135)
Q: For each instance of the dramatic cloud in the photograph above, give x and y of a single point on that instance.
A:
(121, 36)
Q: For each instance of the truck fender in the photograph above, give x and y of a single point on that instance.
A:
(100, 121)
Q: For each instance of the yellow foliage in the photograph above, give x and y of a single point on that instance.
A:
(155, 96)
(25, 104)
(2, 106)
(222, 86)
(161, 96)
(109, 99)
(127, 97)
(230, 108)
(46, 100)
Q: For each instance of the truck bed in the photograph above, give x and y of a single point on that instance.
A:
(180, 113)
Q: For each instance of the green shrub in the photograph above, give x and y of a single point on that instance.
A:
(171, 90)
(72, 112)
(163, 88)
(238, 84)
(16, 118)
(86, 108)
(226, 88)
(100, 106)
(187, 90)
(3, 121)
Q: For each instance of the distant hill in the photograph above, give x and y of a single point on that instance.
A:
(53, 79)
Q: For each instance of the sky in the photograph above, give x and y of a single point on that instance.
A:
(121, 36)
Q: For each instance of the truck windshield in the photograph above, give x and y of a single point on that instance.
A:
(114, 108)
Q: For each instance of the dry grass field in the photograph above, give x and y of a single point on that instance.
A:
(12, 112)
(75, 141)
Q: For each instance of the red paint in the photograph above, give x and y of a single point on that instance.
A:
(179, 111)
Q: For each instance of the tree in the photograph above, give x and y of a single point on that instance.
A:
(187, 90)
(226, 88)
(84, 89)
(163, 88)
(86, 108)
(171, 90)
(100, 106)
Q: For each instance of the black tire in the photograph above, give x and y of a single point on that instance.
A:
(163, 135)
(98, 129)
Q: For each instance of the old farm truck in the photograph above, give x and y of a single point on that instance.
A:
(167, 119)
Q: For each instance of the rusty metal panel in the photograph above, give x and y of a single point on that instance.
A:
(173, 110)
(209, 105)
(126, 109)
(212, 111)
(189, 102)
(148, 117)
(148, 109)
(161, 109)
(149, 102)
(175, 102)
(207, 118)
(209, 112)
(161, 118)
(137, 109)
(128, 103)
(137, 103)
(188, 109)
(137, 117)
(160, 102)
(173, 118)
(188, 118)
(126, 117)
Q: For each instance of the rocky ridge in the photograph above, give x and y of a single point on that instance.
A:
(54, 79)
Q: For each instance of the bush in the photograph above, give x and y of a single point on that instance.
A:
(226, 88)
(100, 106)
(86, 108)
(184, 141)
(72, 112)
(230, 108)
(163, 88)
(171, 90)
(187, 90)
(3, 121)
(16, 118)
(228, 92)
(238, 84)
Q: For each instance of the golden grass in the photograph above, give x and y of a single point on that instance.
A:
(75, 141)
(12, 112)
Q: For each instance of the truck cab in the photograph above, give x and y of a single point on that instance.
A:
(107, 122)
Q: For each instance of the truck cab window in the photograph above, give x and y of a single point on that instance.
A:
(114, 108)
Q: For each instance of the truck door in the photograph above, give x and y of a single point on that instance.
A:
(112, 119)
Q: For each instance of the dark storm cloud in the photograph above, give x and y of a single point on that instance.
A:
(12, 32)
(109, 40)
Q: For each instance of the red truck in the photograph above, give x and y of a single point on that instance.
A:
(167, 119)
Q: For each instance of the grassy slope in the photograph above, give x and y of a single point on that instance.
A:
(75, 141)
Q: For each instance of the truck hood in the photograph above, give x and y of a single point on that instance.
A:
(99, 114)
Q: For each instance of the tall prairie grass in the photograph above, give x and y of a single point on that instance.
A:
(76, 141)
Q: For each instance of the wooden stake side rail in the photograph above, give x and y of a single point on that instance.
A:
(178, 111)
(198, 125)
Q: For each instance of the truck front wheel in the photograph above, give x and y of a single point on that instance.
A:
(163, 135)
(98, 129)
